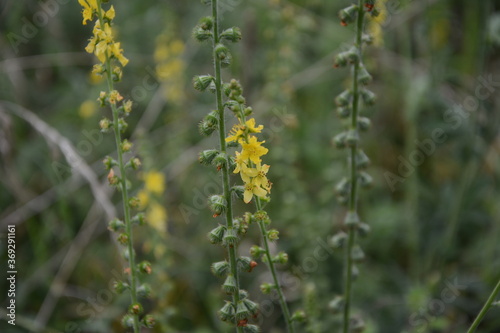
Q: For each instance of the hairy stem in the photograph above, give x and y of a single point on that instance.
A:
(272, 268)
(123, 182)
(485, 308)
(222, 142)
(353, 173)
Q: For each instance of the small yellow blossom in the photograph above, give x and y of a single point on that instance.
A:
(89, 6)
(154, 182)
(110, 14)
(156, 216)
(238, 130)
(114, 97)
(250, 190)
(257, 175)
(87, 109)
(253, 150)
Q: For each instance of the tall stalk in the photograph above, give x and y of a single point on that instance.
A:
(485, 308)
(348, 103)
(109, 53)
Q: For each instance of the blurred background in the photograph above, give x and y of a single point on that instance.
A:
(433, 254)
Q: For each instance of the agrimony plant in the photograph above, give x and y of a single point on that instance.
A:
(111, 60)
(348, 109)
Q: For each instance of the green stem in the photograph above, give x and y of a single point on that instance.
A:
(272, 268)
(223, 148)
(353, 174)
(124, 190)
(485, 308)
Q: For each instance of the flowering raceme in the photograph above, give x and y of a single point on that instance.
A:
(102, 43)
(248, 161)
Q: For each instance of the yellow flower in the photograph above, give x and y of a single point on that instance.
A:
(177, 47)
(87, 109)
(154, 182)
(253, 150)
(118, 53)
(238, 130)
(88, 9)
(110, 14)
(157, 216)
(143, 199)
(257, 176)
(250, 190)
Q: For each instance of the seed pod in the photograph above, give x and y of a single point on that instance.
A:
(355, 272)
(281, 258)
(217, 235)
(149, 321)
(353, 55)
(357, 325)
(266, 288)
(365, 179)
(368, 96)
(207, 156)
(230, 237)
(138, 219)
(144, 267)
(201, 82)
(222, 53)
(242, 311)
(244, 264)
(251, 329)
(226, 313)
(206, 23)
(243, 294)
(347, 15)
(357, 254)
(344, 98)
(116, 225)
(239, 190)
(256, 251)
(363, 76)
(344, 112)
(202, 35)
(232, 34)
(135, 308)
(217, 204)
(362, 160)
(340, 140)
(338, 240)
(364, 123)
(352, 219)
(128, 321)
(120, 286)
(251, 306)
(299, 316)
(336, 305)
(352, 138)
(341, 60)
(220, 161)
(144, 290)
(273, 234)
(229, 285)
(363, 229)
(220, 268)
(343, 187)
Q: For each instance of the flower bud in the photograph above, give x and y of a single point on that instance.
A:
(365, 179)
(116, 74)
(227, 312)
(368, 96)
(133, 163)
(261, 215)
(144, 267)
(229, 285)
(123, 238)
(220, 268)
(256, 251)
(135, 308)
(266, 288)
(144, 290)
(344, 98)
(273, 235)
(336, 305)
(120, 286)
(116, 225)
(299, 316)
(109, 162)
(231, 34)
(230, 237)
(347, 15)
(364, 123)
(202, 35)
(216, 235)
(122, 125)
(201, 82)
(207, 156)
(281, 258)
(105, 125)
(217, 204)
(363, 76)
(149, 321)
(126, 145)
(338, 240)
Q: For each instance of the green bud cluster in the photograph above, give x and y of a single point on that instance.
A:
(348, 105)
